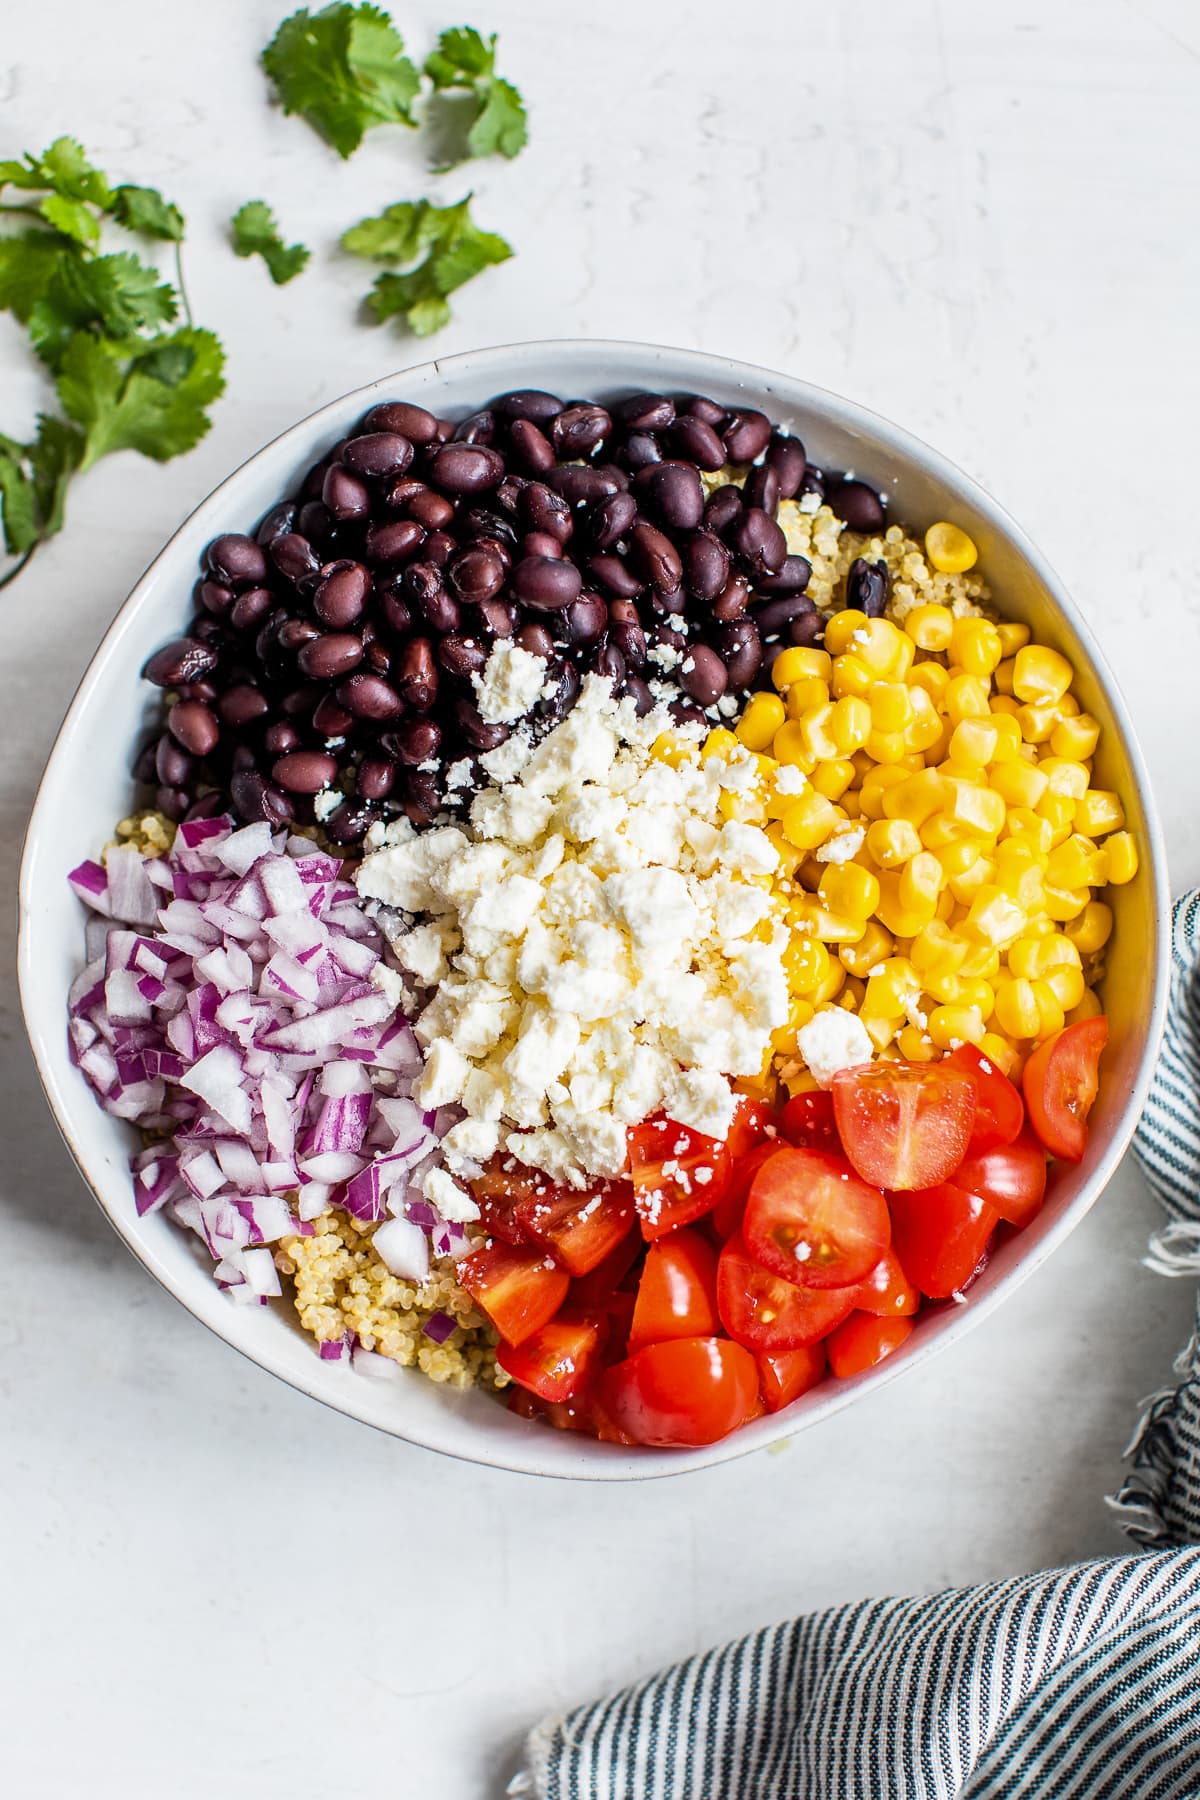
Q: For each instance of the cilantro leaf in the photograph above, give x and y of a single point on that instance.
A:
(64, 169)
(143, 209)
(18, 506)
(28, 264)
(72, 218)
(454, 250)
(256, 233)
(116, 296)
(54, 457)
(493, 120)
(343, 69)
(135, 406)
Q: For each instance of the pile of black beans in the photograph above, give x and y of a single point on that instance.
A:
(335, 646)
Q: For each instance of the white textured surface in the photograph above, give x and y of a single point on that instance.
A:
(972, 219)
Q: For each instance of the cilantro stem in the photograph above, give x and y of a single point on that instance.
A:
(17, 567)
(187, 310)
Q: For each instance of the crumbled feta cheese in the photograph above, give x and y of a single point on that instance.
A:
(843, 846)
(833, 1040)
(326, 803)
(509, 686)
(452, 1201)
(789, 779)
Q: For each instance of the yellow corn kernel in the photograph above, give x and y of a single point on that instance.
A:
(849, 889)
(959, 856)
(1023, 823)
(920, 882)
(931, 676)
(1075, 737)
(1031, 958)
(806, 964)
(892, 991)
(851, 675)
(1003, 679)
(886, 746)
(902, 921)
(966, 697)
(805, 695)
(1065, 776)
(914, 1045)
(978, 873)
(719, 743)
(831, 987)
(1017, 1012)
(850, 724)
(943, 988)
(1013, 636)
(833, 778)
(1065, 903)
(1092, 929)
(849, 803)
(994, 918)
(762, 718)
(1037, 722)
(929, 627)
(851, 996)
(950, 1026)
(916, 798)
(887, 651)
(1066, 984)
(979, 808)
(1059, 812)
(978, 994)
(891, 706)
(975, 646)
(1068, 707)
(973, 742)
(873, 947)
(841, 627)
(949, 548)
(1076, 863)
(926, 729)
(798, 663)
(815, 732)
(1098, 812)
(880, 1031)
(1051, 1017)
(1088, 1008)
(892, 842)
(789, 856)
(789, 744)
(937, 950)
(939, 832)
(1121, 855)
(1018, 783)
(1040, 675)
(1019, 874)
(982, 962)
(1009, 742)
(809, 820)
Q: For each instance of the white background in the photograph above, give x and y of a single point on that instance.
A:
(976, 219)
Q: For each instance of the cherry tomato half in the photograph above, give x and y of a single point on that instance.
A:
(887, 1292)
(862, 1340)
(999, 1111)
(904, 1125)
(939, 1235)
(1011, 1178)
(807, 1121)
(678, 1174)
(688, 1391)
(1060, 1083)
(677, 1294)
(727, 1213)
(520, 1290)
(748, 1126)
(810, 1219)
(499, 1190)
(557, 1361)
(578, 1229)
(593, 1291)
(783, 1375)
(764, 1312)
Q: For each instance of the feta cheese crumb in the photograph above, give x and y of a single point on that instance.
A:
(843, 846)
(789, 779)
(833, 1040)
(509, 686)
(452, 1201)
(326, 803)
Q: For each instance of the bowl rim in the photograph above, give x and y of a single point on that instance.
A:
(642, 1464)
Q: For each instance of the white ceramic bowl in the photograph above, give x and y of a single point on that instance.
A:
(86, 787)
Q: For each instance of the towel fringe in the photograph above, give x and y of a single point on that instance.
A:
(1175, 1250)
(535, 1780)
(1153, 1450)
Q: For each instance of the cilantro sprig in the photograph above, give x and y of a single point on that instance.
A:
(129, 368)
(444, 247)
(255, 232)
(490, 111)
(344, 70)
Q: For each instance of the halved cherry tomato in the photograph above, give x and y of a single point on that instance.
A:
(1012, 1178)
(499, 1190)
(595, 1289)
(678, 1174)
(807, 1121)
(999, 1111)
(520, 1290)
(578, 1229)
(557, 1361)
(748, 1126)
(810, 1219)
(677, 1295)
(939, 1235)
(904, 1125)
(688, 1391)
(887, 1292)
(862, 1340)
(727, 1214)
(1060, 1082)
(783, 1375)
(764, 1312)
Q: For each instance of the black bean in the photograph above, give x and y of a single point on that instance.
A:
(609, 520)
(530, 448)
(237, 561)
(390, 542)
(433, 512)
(412, 422)
(209, 806)
(528, 403)
(465, 468)
(376, 775)
(741, 647)
(585, 619)
(639, 451)
(475, 574)
(812, 482)
(645, 412)
(479, 428)
(705, 565)
(747, 435)
(792, 577)
(440, 610)
(786, 456)
(671, 492)
(329, 658)
(344, 494)
(578, 430)
(699, 407)
(210, 632)
(477, 731)
(508, 493)
(195, 726)
(330, 719)
(686, 712)
(172, 763)
(627, 636)
(184, 659)
(293, 634)
(315, 522)
(413, 741)
(540, 543)
(255, 798)
(692, 438)
(868, 586)
(537, 640)
(807, 630)
(172, 801)
(377, 454)
(242, 758)
(445, 430)
(294, 556)
(214, 597)
(342, 596)
(300, 701)
(655, 556)
(637, 691)
(703, 675)
(369, 696)
(610, 664)
(668, 600)
(393, 610)
(438, 548)
(349, 823)
(281, 737)
(858, 504)
(762, 489)
(563, 681)
(544, 510)
(732, 600)
(500, 617)
(416, 675)
(314, 481)
(198, 690)
(775, 614)
(578, 484)
(614, 575)
(279, 520)
(462, 656)
(241, 705)
(379, 658)
(545, 584)
(759, 543)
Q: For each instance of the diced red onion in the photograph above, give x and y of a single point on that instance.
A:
(439, 1326)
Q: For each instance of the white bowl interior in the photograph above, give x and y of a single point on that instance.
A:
(86, 789)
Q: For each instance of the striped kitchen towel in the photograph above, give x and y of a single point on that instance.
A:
(1077, 1684)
